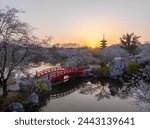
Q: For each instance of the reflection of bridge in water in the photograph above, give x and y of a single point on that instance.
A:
(63, 94)
(57, 75)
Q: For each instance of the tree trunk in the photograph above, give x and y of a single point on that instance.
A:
(5, 90)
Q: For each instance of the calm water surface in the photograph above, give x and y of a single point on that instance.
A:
(88, 95)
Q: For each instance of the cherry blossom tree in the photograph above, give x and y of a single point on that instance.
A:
(143, 53)
(15, 43)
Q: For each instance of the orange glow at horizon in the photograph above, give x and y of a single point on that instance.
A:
(96, 42)
(88, 41)
(86, 33)
(92, 44)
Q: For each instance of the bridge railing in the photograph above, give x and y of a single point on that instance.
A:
(64, 73)
(48, 70)
(53, 69)
(58, 71)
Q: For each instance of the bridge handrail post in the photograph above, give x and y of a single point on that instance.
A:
(36, 73)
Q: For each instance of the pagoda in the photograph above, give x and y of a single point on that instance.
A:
(103, 42)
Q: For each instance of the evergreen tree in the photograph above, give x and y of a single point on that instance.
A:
(130, 42)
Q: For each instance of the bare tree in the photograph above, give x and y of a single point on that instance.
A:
(129, 41)
(15, 43)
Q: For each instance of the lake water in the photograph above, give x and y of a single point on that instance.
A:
(88, 95)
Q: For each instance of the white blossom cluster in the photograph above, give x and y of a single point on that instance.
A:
(143, 53)
(77, 56)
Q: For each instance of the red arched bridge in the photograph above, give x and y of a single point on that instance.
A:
(58, 72)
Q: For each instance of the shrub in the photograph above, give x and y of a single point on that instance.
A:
(148, 70)
(43, 87)
(132, 67)
(102, 71)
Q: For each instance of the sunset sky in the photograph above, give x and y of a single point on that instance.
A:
(85, 21)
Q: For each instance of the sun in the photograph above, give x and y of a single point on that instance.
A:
(93, 44)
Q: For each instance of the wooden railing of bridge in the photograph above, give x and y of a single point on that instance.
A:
(55, 73)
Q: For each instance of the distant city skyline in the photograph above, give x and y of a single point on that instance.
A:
(85, 21)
